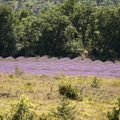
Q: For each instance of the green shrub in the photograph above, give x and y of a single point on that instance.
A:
(43, 117)
(69, 92)
(64, 111)
(96, 83)
(22, 111)
(115, 113)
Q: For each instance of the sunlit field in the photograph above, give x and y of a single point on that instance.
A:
(59, 59)
(97, 95)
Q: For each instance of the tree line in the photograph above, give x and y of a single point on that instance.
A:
(66, 29)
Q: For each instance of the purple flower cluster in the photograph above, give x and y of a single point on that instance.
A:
(52, 66)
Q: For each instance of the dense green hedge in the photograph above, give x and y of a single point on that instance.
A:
(66, 29)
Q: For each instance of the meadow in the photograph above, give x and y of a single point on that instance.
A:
(97, 95)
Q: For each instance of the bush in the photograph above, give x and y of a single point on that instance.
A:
(69, 92)
(115, 113)
(43, 117)
(96, 83)
(22, 111)
(64, 111)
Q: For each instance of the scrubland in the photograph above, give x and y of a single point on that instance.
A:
(96, 96)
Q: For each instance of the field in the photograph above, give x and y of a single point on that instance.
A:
(67, 66)
(43, 90)
(60, 60)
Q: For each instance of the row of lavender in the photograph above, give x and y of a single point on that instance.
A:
(67, 66)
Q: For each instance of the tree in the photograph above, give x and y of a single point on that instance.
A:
(7, 39)
(53, 24)
(23, 34)
(83, 19)
(67, 7)
(108, 25)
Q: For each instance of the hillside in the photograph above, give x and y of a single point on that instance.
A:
(34, 5)
(39, 3)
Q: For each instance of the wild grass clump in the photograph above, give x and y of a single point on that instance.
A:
(70, 92)
(29, 87)
(18, 71)
(11, 76)
(115, 113)
(96, 83)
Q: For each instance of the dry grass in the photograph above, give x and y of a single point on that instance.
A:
(43, 92)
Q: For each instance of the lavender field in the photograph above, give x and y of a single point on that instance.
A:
(39, 80)
(67, 66)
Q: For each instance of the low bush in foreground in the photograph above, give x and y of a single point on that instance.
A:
(65, 111)
(115, 113)
(22, 111)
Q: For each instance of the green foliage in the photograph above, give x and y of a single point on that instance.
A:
(96, 83)
(108, 26)
(74, 48)
(65, 111)
(64, 29)
(115, 113)
(53, 36)
(83, 19)
(22, 111)
(23, 33)
(68, 7)
(7, 39)
(70, 92)
(44, 117)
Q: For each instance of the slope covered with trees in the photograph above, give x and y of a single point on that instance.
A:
(66, 28)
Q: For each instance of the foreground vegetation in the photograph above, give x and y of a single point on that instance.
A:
(58, 97)
(70, 28)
